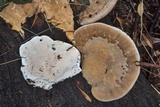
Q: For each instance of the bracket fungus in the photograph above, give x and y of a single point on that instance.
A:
(109, 60)
(96, 10)
(46, 62)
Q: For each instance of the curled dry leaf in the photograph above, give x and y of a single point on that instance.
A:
(58, 12)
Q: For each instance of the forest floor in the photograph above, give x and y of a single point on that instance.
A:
(145, 33)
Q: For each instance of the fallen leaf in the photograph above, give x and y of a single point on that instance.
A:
(58, 12)
(147, 41)
(16, 14)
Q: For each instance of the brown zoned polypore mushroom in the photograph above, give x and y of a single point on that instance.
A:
(96, 10)
(109, 60)
(46, 62)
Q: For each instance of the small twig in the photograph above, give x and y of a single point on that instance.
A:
(44, 30)
(7, 51)
(149, 65)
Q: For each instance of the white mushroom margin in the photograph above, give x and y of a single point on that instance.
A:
(46, 62)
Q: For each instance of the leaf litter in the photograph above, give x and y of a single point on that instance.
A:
(58, 12)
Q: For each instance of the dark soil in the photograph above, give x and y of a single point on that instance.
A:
(15, 92)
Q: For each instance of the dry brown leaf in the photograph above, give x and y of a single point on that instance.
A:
(16, 14)
(147, 41)
(140, 9)
(84, 94)
(58, 12)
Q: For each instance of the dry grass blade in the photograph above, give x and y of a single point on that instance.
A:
(147, 41)
(10, 61)
(47, 22)
(36, 16)
(155, 89)
(84, 94)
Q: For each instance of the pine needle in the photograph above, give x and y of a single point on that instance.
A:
(10, 61)
(36, 16)
(84, 94)
(155, 89)
(47, 22)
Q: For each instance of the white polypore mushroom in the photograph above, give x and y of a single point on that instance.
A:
(109, 60)
(46, 62)
(96, 10)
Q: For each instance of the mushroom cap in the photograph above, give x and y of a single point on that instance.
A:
(96, 10)
(109, 60)
(46, 62)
